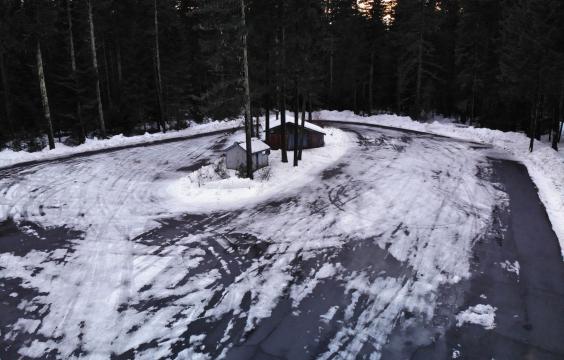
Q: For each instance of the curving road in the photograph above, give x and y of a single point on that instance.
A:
(374, 259)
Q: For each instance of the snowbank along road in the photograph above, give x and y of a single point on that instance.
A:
(410, 245)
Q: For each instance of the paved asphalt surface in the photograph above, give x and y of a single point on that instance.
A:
(530, 306)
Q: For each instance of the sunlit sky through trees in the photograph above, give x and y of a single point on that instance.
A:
(389, 5)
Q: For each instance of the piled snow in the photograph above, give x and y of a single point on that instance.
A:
(511, 267)
(483, 315)
(9, 157)
(545, 166)
(208, 189)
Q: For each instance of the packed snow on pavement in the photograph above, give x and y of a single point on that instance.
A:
(9, 157)
(132, 277)
(545, 166)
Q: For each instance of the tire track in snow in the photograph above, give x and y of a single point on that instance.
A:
(235, 273)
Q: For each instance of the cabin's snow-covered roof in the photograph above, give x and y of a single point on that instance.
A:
(307, 124)
(256, 145)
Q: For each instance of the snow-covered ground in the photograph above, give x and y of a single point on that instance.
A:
(375, 232)
(207, 190)
(9, 157)
(545, 166)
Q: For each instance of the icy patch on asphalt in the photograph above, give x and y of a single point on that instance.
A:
(208, 189)
(299, 291)
(545, 166)
(328, 316)
(483, 315)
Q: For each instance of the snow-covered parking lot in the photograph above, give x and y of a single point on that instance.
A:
(404, 245)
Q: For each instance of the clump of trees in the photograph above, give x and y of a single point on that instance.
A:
(77, 68)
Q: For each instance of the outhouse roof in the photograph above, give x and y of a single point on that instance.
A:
(307, 125)
(256, 145)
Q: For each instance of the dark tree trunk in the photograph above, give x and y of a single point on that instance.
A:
(355, 100)
(248, 116)
(533, 125)
(331, 66)
(119, 68)
(78, 106)
(267, 122)
(555, 129)
(267, 100)
(296, 123)
(560, 116)
(283, 84)
(302, 128)
(6, 88)
(371, 83)
(309, 117)
(107, 76)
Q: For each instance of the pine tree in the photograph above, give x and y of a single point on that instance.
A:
(477, 58)
(530, 58)
(417, 69)
(74, 72)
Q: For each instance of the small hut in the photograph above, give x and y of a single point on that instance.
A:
(236, 155)
(313, 136)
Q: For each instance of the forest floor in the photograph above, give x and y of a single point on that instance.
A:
(407, 245)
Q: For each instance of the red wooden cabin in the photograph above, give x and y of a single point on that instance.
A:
(313, 135)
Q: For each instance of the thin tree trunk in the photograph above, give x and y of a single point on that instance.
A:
(555, 128)
(540, 117)
(296, 123)
(107, 75)
(371, 83)
(559, 121)
(419, 81)
(355, 107)
(560, 117)
(6, 87)
(309, 116)
(96, 72)
(82, 130)
(267, 121)
(283, 85)
(533, 125)
(44, 97)
(302, 128)
(419, 75)
(162, 117)
(267, 100)
(119, 68)
(119, 75)
(248, 119)
(331, 77)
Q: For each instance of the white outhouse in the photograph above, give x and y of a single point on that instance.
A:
(236, 155)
